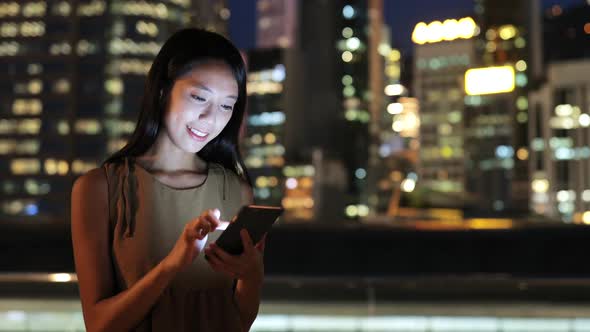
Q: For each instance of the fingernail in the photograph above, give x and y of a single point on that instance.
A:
(217, 213)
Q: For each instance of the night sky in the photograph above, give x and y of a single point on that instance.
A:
(401, 18)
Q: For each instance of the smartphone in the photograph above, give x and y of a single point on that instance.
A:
(256, 219)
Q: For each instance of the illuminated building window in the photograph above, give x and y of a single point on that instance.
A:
(20, 207)
(32, 29)
(34, 69)
(129, 66)
(521, 80)
(114, 86)
(225, 14)
(146, 28)
(61, 86)
(262, 88)
(25, 126)
(53, 167)
(25, 166)
(347, 56)
(88, 127)
(141, 8)
(60, 48)
(30, 146)
(393, 71)
(264, 23)
(267, 119)
(92, 8)
(27, 107)
(522, 117)
(256, 139)
(81, 167)
(7, 126)
(9, 9)
(522, 103)
(347, 32)
(254, 162)
(33, 9)
(353, 43)
(270, 138)
(119, 127)
(7, 146)
(521, 65)
(348, 91)
(9, 48)
(437, 31)
(34, 187)
(35, 87)
(62, 8)
(85, 47)
(182, 3)
(63, 127)
(348, 12)
(127, 46)
(8, 30)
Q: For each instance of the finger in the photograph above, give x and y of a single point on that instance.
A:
(217, 213)
(246, 240)
(261, 244)
(224, 256)
(218, 265)
(210, 217)
(191, 234)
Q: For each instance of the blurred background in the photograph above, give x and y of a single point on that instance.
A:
(432, 156)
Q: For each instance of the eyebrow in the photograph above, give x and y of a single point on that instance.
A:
(203, 87)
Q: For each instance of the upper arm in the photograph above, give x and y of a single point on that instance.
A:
(90, 238)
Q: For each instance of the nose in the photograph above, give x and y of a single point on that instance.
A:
(207, 115)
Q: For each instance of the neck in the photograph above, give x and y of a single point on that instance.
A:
(165, 156)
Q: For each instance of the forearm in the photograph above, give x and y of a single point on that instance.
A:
(247, 297)
(127, 309)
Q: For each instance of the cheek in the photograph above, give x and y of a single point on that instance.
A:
(222, 121)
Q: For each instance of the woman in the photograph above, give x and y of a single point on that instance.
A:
(143, 222)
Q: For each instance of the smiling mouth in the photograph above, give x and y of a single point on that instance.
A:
(200, 135)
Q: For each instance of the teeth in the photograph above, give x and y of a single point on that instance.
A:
(198, 133)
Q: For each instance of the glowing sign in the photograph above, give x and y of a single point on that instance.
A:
(483, 81)
(448, 30)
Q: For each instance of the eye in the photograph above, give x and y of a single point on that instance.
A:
(197, 98)
(227, 107)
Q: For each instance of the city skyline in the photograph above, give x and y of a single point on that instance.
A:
(242, 23)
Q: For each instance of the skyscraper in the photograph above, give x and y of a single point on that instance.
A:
(560, 139)
(559, 160)
(443, 52)
(264, 146)
(276, 23)
(327, 106)
(76, 72)
(496, 122)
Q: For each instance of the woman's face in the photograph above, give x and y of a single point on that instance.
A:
(200, 105)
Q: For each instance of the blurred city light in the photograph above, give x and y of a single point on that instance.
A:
(449, 30)
(490, 80)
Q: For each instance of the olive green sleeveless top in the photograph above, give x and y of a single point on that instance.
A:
(146, 219)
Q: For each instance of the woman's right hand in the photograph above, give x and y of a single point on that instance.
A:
(192, 240)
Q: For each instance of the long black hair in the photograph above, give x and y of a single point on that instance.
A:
(184, 50)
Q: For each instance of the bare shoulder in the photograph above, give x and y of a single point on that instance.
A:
(91, 186)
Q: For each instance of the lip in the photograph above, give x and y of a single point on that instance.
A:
(195, 136)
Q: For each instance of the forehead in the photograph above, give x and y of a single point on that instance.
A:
(213, 74)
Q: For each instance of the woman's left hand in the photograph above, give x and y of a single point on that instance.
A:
(248, 266)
